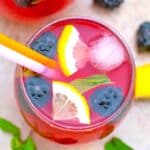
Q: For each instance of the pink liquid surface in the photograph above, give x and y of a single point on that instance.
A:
(120, 76)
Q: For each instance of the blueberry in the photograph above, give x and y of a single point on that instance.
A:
(45, 44)
(105, 101)
(22, 100)
(109, 3)
(39, 90)
(23, 3)
(26, 3)
(143, 37)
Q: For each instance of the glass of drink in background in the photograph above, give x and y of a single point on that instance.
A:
(31, 9)
(97, 92)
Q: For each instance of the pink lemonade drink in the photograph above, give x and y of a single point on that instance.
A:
(32, 9)
(96, 88)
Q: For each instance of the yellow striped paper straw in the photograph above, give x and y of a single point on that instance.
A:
(24, 56)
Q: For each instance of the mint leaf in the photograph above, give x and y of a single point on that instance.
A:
(87, 83)
(29, 144)
(16, 143)
(9, 127)
(116, 144)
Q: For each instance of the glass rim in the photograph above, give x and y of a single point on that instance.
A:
(108, 120)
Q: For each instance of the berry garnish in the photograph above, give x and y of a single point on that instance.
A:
(39, 90)
(26, 3)
(105, 101)
(45, 44)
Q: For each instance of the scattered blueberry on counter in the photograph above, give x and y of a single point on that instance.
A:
(109, 3)
(143, 37)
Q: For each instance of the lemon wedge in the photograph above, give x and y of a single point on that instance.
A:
(142, 87)
(66, 43)
(68, 103)
(71, 50)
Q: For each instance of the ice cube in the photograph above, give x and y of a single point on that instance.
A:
(106, 53)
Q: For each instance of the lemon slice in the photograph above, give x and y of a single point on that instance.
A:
(68, 103)
(142, 87)
(71, 50)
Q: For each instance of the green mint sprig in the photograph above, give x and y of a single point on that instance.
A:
(16, 142)
(116, 144)
(8, 127)
(87, 83)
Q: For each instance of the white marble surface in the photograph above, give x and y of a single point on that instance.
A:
(135, 129)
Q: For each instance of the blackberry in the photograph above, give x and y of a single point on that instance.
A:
(143, 37)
